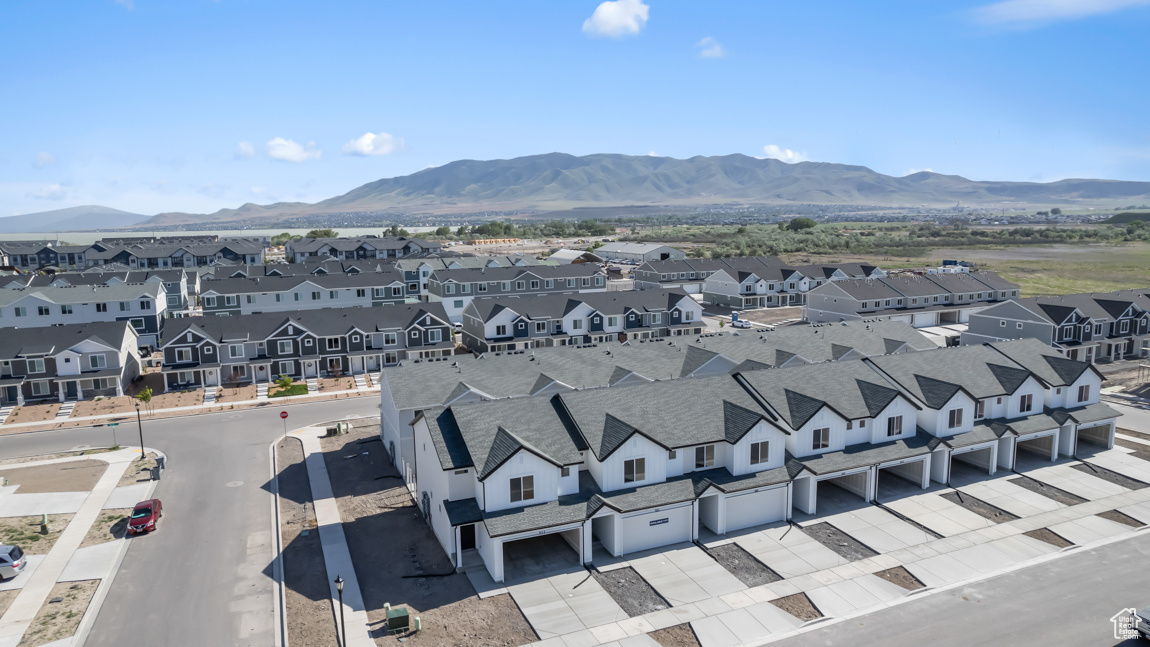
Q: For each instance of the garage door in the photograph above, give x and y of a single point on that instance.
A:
(925, 319)
(756, 508)
(654, 529)
(691, 288)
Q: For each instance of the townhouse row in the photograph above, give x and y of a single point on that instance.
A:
(180, 285)
(357, 248)
(158, 253)
(1096, 326)
(495, 324)
(650, 465)
(68, 362)
(456, 287)
(332, 342)
(142, 305)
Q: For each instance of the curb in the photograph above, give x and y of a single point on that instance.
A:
(281, 634)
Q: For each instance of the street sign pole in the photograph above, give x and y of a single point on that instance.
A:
(283, 416)
(113, 425)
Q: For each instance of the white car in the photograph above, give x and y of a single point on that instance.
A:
(741, 323)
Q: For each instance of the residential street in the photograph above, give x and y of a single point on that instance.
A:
(204, 577)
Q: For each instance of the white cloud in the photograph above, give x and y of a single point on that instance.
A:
(616, 18)
(127, 4)
(1021, 14)
(710, 48)
(44, 159)
(49, 192)
(783, 154)
(374, 144)
(289, 151)
(244, 151)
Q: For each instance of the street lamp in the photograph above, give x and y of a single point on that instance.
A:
(141, 425)
(342, 626)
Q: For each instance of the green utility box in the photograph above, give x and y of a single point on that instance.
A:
(397, 621)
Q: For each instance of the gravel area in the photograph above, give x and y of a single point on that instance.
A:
(1048, 491)
(103, 406)
(33, 413)
(676, 636)
(310, 612)
(838, 541)
(1120, 517)
(799, 606)
(979, 507)
(630, 591)
(743, 565)
(376, 507)
(73, 476)
(109, 526)
(1120, 480)
(1049, 536)
(902, 577)
(25, 532)
(59, 620)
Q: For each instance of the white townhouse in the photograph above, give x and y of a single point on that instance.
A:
(255, 295)
(143, 305)
(455, 288)
(66, 363)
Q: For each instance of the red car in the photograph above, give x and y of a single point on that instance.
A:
(145, 515)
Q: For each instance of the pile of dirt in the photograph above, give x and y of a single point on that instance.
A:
(310, 613)
(838, 541)
(1049, 536)
(111, 525)
(630, 591)
(1048, 491)
(1120, 480)
(979, 507)
(799, 606)
(61, 614)
(1122, 518)
(902, 577)
(374, 503)
(73, 476)
(743, 565)
(676, 636)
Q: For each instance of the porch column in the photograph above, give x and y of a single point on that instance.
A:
(694, 522)
(585, 543)
(79, 390)
(458, 550)
(61, 390)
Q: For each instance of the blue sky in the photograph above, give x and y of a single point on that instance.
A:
(150, 105)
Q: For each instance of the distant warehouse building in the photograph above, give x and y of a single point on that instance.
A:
(639, 252)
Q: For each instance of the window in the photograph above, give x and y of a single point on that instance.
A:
(634, 470)
(1084, 393)
(145, 305)
(704, 456)
(1018, 325)
(522, 488)
(955, 420)
(250, 298)
(535, 284)
(137, 324)
(125, 306)
(1001, 323)
(688, 315)
(482, 287)
(612, 321)
(570, 283)
(279, 297)
(434, 336)
(760, 452)
(1125, 326)
(1026, 403)
(671, 455)
(333, 294)
(40, 388)
(505, 286)
(396, 291)
(821, 438)
(36, 366)
(980, 410)
(458, 303)
(333, 343)
(43, 311)
(295, 296)
(464, 288)
(362, 292)
(315, 295)
(894, 425)
(284, 346)
(20, 312)
(235, 350)
(231, 300)
(566, 472)
(501, 331)
(415, 334)
(449, 288)
(656, 318)
(390, 339)
(183, 355)
(287, 368)
(541, 326)
(207, 350)
(549, 283)
(520, 285)
(98, 361)
(576, 324)
(103, 307)
(66, 309)
(307, 341)
(586, 281)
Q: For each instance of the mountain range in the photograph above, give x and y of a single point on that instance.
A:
(557, 181)
(70, 219)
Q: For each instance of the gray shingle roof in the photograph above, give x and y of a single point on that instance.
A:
(17, 342)
(495, 431)
(284, 283)
(1047, 363)
(933, 377)
(84, 293)
(851, 389)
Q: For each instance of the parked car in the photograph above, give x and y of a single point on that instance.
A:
(145, 515)
(741, 323)
(12, 561)
(1142, 622)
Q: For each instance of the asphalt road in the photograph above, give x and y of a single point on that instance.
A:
(203, 578)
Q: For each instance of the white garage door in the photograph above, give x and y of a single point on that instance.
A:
(925, 319)
(756, 508)
(692, 288)
(654, 529)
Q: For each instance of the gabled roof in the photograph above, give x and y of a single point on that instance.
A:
(495, 431)
(935, 376)
(19, 342)
(851, 389)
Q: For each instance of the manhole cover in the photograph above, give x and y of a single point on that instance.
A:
(235, 483)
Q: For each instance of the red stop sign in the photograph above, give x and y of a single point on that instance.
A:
(283, 414)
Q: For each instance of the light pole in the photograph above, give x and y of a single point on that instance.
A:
(342, 626)
(141, 425)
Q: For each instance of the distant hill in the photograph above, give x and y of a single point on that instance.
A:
(1128, 217)
(70, 219)
(557, 181)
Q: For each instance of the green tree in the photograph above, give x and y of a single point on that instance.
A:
(323, 233)
(799, 224)
(145, 398)
(1056, 211)
(280, 239)
(284, 381)
(741, 230)
(443, 231)
(462, 231)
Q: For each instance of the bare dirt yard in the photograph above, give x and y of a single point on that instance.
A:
(33, 413)
(902, 577)
(73, 476)
(376, 506)
(25, 532)
(44, 457)
(345, 383)
(109, 526)
(139, 471)
(799, 606)
(237, 393)
(772, 315)
(676, 636)
(61, 614)
(309, 609)
(6, 598)
(104, 406)
(186, 398)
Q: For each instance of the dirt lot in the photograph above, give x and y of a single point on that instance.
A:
(772, 315)
(743, 565)
(1122, 518)
(44, 457)
(139, 471)
(1046, 490)
(6, 598)
(73, 476)
(237, 393)
(109, 526)
(630, 591)
(373, 508)
(799, 606)
(309, 609)
(176, 399)
(57, 620)
(676, 636)
(902, 577)
(33, 413)
(25, 532)
(838, 541)
(104, 406)
(1049, 536)
(345, 383)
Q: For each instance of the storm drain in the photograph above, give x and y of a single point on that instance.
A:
(743, 565)
(1048, 491)
(979, 507)
(838, 541)
(1120, 480)
(1049, 536)
(630, 591)
(1120, 517)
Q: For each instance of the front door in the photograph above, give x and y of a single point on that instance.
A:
(467, 537)
(11, 394)
(70, 390)
(309, 369)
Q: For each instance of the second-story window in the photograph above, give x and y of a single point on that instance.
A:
(362, 292)
(231, 300)
(36, 366)
(612, 321)
(145, 305)
(333, 294)
(315, 295)
(285, 346)
(1026, 403)
(390, 339)
(704, 456)
(1084, 393)
(634, 470)
(821, 438)
(501, 331)
(235, 350)
(760, 452)
(98, 361)
(434, 336)
(980, 410)
(66, 309)
(955, 419)
(125, 306)
(894, 425)
(520, 285)
(103, 307)
(522, 488)
(183, 355)
(333, 343)
(577, 324)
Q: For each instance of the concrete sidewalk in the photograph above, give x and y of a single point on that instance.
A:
(336, 556)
